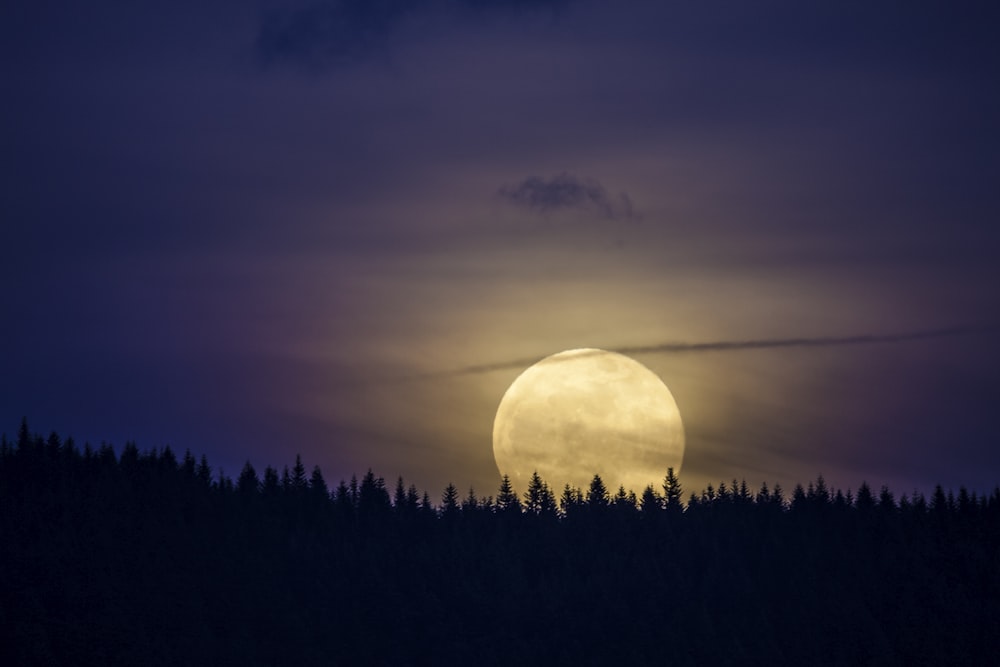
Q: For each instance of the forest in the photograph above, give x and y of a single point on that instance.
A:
(146, 557)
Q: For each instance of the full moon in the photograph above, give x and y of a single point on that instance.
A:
(584, 412)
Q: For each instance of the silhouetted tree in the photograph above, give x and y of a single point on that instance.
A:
(247, 484)
(650, 502)
(23, 436)
(299, 481)
(470, 504)
(864, 501)
(597, 493)
(507, 501)
(741, 493)
(939, 502)
(426, 508)
(344, 502)
(623, 502)
(672, 493)
(318, 490)
(570, 500)
(204, 472)
(270, 486)
(778, 496)
(799, 498)
(412, 499)
(763, 495)
(538, 499)
(399, 496)
(373, 498)
(886, 502)
(821, 494)
(189, 466)
(449, 501)
(708, 495)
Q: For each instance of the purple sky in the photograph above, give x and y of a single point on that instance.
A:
(262, 229)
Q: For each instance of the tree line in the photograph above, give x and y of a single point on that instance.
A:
(146, 557)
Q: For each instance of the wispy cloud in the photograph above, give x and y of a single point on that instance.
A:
(566, 191)
(332, 32)
(726, 346)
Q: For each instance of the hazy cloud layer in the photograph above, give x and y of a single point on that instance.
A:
(342, 31)
(566, 191)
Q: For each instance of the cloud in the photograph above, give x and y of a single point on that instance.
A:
(566, 191)
(729, 346)
(335, 32)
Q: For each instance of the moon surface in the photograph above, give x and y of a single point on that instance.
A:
(584, 412)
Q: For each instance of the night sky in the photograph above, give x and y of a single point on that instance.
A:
(342, 229)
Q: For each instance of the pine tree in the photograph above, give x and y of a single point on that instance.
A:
(247, 484)
(317, 485)
(373, 498)
(412, 499)
(672, 492)
(821, 492)
(270, 486)
(53, 445)
(538, 499)
(343, 501)
(449, 501)
(865, 500)
(23, 437)
(507, 500)
(886, 501)
(708, 495)
(471, 503)
(597, 493)
(799, 497)
(939, 502)
(189, 466)
(778, 497)
(764, 494)
(168, 462)
(650, 502)
(623, 501)
(693, 502)
(299, 482)
(426, 508)
(722, 493)
(745, 497)
(204, 472)
(399, 496)
(570, 500)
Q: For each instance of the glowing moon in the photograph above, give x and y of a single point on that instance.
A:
(584, 412)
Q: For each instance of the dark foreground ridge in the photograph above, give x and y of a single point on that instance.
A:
(141, 558)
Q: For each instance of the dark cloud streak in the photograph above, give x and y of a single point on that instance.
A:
(729, 346)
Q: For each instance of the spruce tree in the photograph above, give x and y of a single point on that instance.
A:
(650, 501)
(597, 493)
(507, 500)
(672, 492)
(449, 501)
(247, 484)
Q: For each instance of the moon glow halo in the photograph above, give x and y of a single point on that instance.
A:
(584, 412)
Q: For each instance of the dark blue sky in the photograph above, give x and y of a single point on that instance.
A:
(234, 226)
